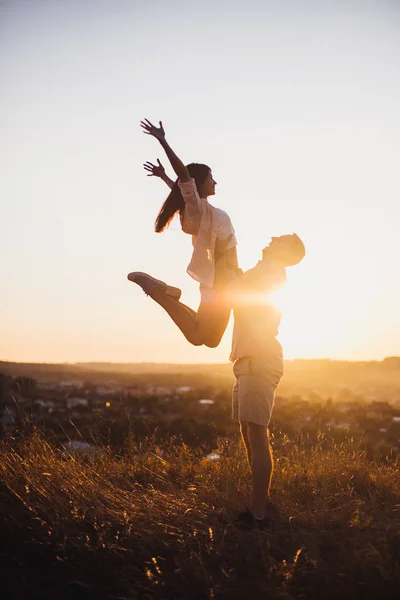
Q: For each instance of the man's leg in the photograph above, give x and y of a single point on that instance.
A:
(261, 467)
(246, 442)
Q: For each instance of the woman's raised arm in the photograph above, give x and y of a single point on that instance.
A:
(158, 171)
(158, 132)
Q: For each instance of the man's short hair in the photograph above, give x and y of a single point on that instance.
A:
(298, 249)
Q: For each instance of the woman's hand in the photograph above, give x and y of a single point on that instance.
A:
(158, 132)
(154, 170)
(158, 171)
(150, 129)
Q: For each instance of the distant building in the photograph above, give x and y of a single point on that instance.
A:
(159, 390)
(102, 390)
(74, 402)
(71, 384)
(47, 385)
(183, 389)
(44, 404)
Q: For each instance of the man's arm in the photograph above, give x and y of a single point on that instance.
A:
(158, 132)
(158, 171)
(266, 276)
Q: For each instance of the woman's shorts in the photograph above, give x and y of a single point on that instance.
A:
(207, 294)
(254, 390)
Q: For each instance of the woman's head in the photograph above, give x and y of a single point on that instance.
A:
(204, 180)
(174, 203)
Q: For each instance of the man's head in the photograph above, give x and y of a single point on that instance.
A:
(288, 250)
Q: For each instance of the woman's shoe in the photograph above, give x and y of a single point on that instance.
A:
(149, 284)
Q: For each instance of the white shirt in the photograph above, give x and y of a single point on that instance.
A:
(257, 320)
(224, 227)
(206, 224)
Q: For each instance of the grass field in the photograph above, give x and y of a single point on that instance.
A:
(158, 522)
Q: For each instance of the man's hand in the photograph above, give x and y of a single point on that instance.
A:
(154, 170)
(150, 129)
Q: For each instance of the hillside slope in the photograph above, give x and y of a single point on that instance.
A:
(158, 522)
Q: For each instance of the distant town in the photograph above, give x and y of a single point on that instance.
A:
(92, 404)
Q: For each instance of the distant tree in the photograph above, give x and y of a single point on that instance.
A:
(5, 381)
(24, 385)
(381, 408)
(392, 361)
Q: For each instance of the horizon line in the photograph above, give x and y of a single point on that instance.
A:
(102, 362)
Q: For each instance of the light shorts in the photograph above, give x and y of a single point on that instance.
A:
(224, 275)
(211, 294)
(254, 390)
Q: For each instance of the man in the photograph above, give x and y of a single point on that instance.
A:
(258, 365)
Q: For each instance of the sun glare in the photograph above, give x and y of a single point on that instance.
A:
(313, 325)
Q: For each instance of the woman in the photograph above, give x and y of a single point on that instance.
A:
(214, 259)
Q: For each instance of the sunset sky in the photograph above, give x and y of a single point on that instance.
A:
(294, 105)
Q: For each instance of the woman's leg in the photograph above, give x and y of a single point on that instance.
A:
(212, 321)
(207, 326)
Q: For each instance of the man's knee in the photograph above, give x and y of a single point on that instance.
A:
(243, 429)
(257, 434)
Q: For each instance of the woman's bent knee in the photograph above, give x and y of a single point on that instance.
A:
(200, 338)
(195, 340)
(213, 340)
(213, 344)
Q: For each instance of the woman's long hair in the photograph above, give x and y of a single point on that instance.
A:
(174, 202)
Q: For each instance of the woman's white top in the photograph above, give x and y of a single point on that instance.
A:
(207, 225)
(224, 226)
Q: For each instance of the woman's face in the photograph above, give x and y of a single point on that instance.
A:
(208, 186)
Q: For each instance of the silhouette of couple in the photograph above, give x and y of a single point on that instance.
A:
(256, 353)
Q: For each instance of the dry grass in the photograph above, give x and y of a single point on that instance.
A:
(157, 522)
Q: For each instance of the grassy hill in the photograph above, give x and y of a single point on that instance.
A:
(158, 522)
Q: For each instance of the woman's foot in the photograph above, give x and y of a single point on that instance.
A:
(149, 284)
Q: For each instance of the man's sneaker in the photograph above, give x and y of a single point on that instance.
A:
(246, 520)
(149, 284)
(271, 512)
